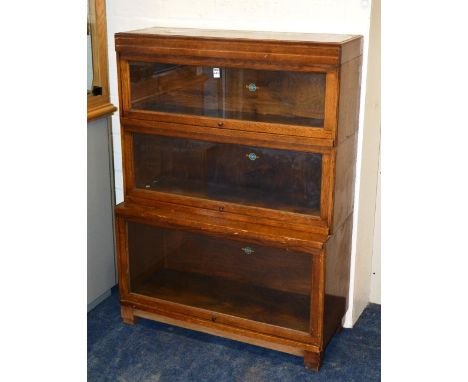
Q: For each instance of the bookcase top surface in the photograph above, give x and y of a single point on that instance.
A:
(317, 38)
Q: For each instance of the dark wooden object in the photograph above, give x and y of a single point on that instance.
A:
(239, 162)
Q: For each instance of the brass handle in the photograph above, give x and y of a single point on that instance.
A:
(252, 87)
(252, 156)
(248, 250)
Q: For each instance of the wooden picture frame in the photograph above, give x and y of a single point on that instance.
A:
(99, 103)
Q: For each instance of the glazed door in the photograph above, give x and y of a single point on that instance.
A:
(220, 278)
(294, 98)
(273, 101)
(227, 176)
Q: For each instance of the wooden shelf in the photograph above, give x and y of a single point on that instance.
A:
(231, 194)
(220, 295)
(217, 113)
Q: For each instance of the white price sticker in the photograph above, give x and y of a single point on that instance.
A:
(216, 73)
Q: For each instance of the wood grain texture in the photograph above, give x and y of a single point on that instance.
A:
(337, 275)
(247, 35)
(313, 360)
(227, 331)
(271, 52)
(173, 217)
(284, 128)
(283, 47)
(317, 296)
(127, 162)
(122, 255)
(351, 49)
(127, 315)
(344, 179)
(292, 224)
(189, 312)
(350, 91)
(101, 111)
(331, 102)
(224, 134)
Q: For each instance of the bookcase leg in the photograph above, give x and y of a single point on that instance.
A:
(127, 315)
(312, 360)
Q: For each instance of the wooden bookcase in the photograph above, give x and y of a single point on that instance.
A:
(239, 162)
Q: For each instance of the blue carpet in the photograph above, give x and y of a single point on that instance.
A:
(151, 351)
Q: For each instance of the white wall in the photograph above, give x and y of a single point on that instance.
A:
(100, 214)
(376, 274)
(320, 16)
(368, 162)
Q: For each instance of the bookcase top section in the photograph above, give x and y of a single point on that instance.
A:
(315, 38)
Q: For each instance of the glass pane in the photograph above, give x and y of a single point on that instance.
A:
(259, 283)
(263, 177)
(90, 54)
(294, 98)
(94, 86)
(90, 61)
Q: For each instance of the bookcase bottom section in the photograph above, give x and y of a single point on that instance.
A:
(311, 353)
(259, 291)
(232, 278)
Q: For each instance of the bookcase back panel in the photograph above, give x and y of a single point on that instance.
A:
(274, 96)
(256, 176)
(260, 283)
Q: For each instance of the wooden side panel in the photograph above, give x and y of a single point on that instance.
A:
(345, 173)
(337, 271)
(350, 91)
(351, 49)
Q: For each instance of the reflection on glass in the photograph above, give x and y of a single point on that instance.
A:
(258, 176)
(94, 86)
(295, 98)
(90, 58)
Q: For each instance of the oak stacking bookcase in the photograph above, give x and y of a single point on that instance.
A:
(238, 156)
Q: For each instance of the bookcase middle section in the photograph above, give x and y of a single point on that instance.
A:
(230, 178)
